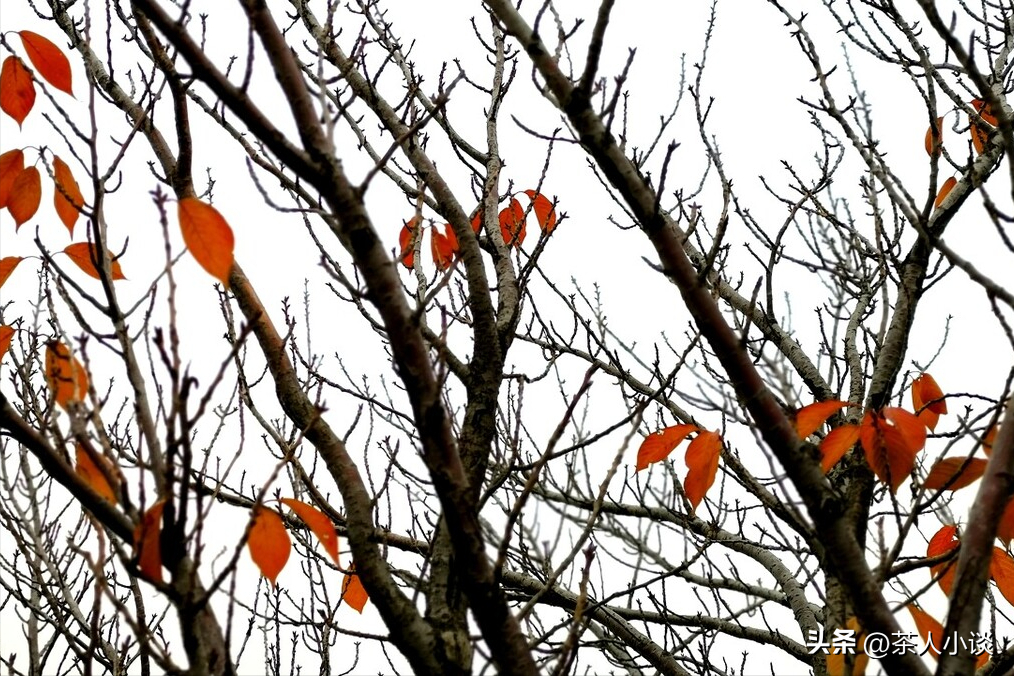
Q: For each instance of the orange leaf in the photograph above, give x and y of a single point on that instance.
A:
(544, 211)
(6, 335)
(318, 523)
(512, 224)
(928, 400)
(987, 441)
(981, 136)
(84, 254)
(7, 266)
(810, 418)
(208, 236)
(659, 445)
(65, 374)
(147, 548)
(931, 631)
(26, 194)
(929, 136)
(443, 253)
(702, 461)
(836, 661)
(945, 190)
(452, 239)
(66, 187)
(407, 243)
(12, 163)
(836, 444)
(269, 542)
(1005, 531)
(891, 437)
(93, 475)
(17, 91)
(943, 541)
(353, 591)
(954, 473)
(48, 60)
(477, 222)
(1001, 569)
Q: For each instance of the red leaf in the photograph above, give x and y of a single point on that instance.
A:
(544, 211)
(954, 473)
(318, 523)
(407, 243)
(943, 541)
(93, 475)
(702, 461)
(6, 335)
(945, 190)
(891, 438)
(810, 418)
(83, 254)
(477, 222)
(452, 239)
(208, 236)
(1005, 530)
(928, 397)
(26, 194)
(512, 224)
(48, 60)
(981, 136)
(12, 163)
(147, 548)
(930, 146)
(66, 187)
(7, 266)
(929, 629)
(17, 91)
(1001, 569)
(659, 445)
(353, 592)
(269, 542)
(443, 253)
(65, 375)
(836, 444)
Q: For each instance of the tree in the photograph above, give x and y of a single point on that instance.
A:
(429, 414)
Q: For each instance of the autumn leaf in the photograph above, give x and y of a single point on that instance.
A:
(407, 243)
(954, 473)
(66, 187)
(477, 222)
(147, 547)
(702, 461)
(353, 591)
(48, 59)
(319, 523)
(659, 445)
(1005, 530)
(930, 146)
(512, 224)
(987, 441)
(929, 629)
(544, 211)
(443, 253)
(943, 541)
(928, 400)
(836, 444)
(17, 91)
(268, 542)
(12, 163)
(836, 661)
(93, 475)
(208, 237)
(26, 194)
(891, 438)
(945, 190)
(980, 136)
(1001, 569)
(7, 266)
(84, 254)
(810, 418)
(6, 335)
(65, 375)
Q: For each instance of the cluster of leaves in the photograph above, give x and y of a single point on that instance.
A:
(979, 134)
(702, 456)
(444, 245)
